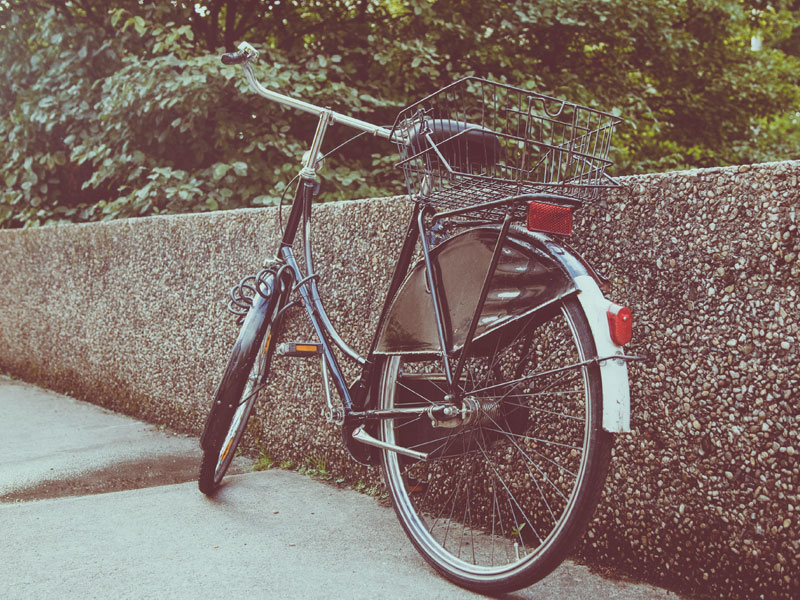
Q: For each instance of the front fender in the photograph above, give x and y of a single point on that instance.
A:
(245, 349)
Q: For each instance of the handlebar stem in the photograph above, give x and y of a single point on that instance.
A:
(309, 170)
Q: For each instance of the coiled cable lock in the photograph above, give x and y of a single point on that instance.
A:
(263, 283)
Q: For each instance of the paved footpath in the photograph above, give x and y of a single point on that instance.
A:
(97, 505)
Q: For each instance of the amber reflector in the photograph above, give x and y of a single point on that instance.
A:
(306, 348)
(549, 218)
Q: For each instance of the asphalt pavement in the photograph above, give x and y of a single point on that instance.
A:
(94, 504)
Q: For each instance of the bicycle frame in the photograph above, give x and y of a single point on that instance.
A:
(355, 411)
(354, 399)
(307, 287)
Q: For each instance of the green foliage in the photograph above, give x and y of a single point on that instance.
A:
(121, 108)
(376, 490)
(265, 462)
(316, 466)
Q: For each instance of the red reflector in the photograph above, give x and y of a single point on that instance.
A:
(549, 218)
(620, 324)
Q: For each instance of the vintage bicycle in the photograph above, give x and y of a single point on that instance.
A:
(496, 373)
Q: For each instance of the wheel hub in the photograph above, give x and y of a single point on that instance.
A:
(480, 411)
(474, 411)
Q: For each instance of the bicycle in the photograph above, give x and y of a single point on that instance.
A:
(496, 373)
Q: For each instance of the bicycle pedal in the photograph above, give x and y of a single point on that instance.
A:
(299, 349)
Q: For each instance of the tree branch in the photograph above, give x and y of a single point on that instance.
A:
(213, 29)
(245, 23)
(230, 23)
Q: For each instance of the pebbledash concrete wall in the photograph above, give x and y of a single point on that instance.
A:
(702, 495)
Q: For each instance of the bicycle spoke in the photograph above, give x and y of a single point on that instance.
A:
(542, 410)
(521, 380)
(504, 477)
(535, 439)
(510, 495)
(542, 473)
(416, 393)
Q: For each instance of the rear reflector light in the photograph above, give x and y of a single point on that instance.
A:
(549, 218)
(620, 324)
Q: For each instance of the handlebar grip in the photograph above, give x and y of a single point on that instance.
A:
(245, 53)
(234, 58)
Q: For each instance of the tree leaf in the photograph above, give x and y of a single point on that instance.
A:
(220, 170)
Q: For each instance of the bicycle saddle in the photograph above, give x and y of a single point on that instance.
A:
(461, 144)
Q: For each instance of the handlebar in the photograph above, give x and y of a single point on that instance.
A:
(247, 54)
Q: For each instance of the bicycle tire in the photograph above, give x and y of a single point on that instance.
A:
(476, 525)
(236, 395)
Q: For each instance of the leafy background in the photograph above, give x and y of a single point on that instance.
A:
(121, 108)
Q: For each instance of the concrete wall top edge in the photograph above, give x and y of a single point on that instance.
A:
(776, 167)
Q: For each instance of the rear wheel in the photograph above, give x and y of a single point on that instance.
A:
(511, 483)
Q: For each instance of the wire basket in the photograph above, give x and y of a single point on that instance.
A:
(476, 141)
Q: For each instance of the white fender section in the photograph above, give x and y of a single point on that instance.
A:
(613, 373)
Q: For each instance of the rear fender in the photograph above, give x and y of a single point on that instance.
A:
(534, 272)
(527, 278)
(613, 371)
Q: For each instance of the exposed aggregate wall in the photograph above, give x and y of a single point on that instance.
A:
(702, 495)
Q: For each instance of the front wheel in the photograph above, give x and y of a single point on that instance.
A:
(233, 403)
(511, 483)
(218, 456)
